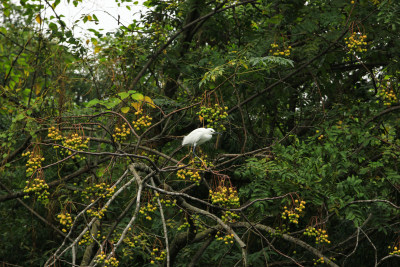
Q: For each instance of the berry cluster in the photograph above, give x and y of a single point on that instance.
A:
(168, 202)
(75, 142)
(184, 225)
(387, 93)
(356, 42)
(38, 186)
(98, 190)
(388, 97)
(101, 258)
(152, 157)
(190, 175)
(214, 117)
(229, 216)
(320, 137)
(86, 239)
(279, 231)
(320, 235)
(395, 251)
(224, 196)
(55, 134)
(197, 222)
(277, 51)
(145, 210)
(228, 198)
(34, 162)
(135, 240)
(99, 213)
(160, 257)
(121, 132)
(227, 239)
(142, 122)
(65, 219)
(293, 214)
(320, 260)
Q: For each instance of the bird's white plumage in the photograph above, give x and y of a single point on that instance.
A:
(198, 136)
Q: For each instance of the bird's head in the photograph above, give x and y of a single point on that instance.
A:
(212, 131)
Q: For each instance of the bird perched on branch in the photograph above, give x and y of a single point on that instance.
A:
(198, 137)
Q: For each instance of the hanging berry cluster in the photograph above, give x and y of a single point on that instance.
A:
(278, 51)
(97, 190)
(387, 92)
(294, 212)
(157, 255)
(189, 175)
(395, 251)
(184, 225)
(198, 223)
(168, 202)
(34, 162)
(319, 261)
(121, 133)
(99, 213)
(142, 121)
(279, 231)
(321, 236)
(146, 210)
(65, 219)
(87, 238)
(101, 259)
(135, 239)
(356, 43)
(227, 197)
(55, 134)
(227, 239)
(214, 117)
(74, 142)
(39, 187)
(152, 157)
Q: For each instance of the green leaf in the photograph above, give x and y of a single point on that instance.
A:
(93, 102)
(123, 95)
(125, 109)
(112, 102)
(137, 96)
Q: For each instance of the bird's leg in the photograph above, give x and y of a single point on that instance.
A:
(194, 153)
(194, 148)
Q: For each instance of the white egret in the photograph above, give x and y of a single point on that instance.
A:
(198, 137)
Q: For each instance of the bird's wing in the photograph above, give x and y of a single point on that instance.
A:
(185, 140)
(193, 137)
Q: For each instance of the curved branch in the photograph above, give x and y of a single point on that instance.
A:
(224, 225)
(373, 201)
(386, 111)
(289, 238)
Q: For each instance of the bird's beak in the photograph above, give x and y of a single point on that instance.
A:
(218, 133)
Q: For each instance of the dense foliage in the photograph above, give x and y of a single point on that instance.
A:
(305, 173)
